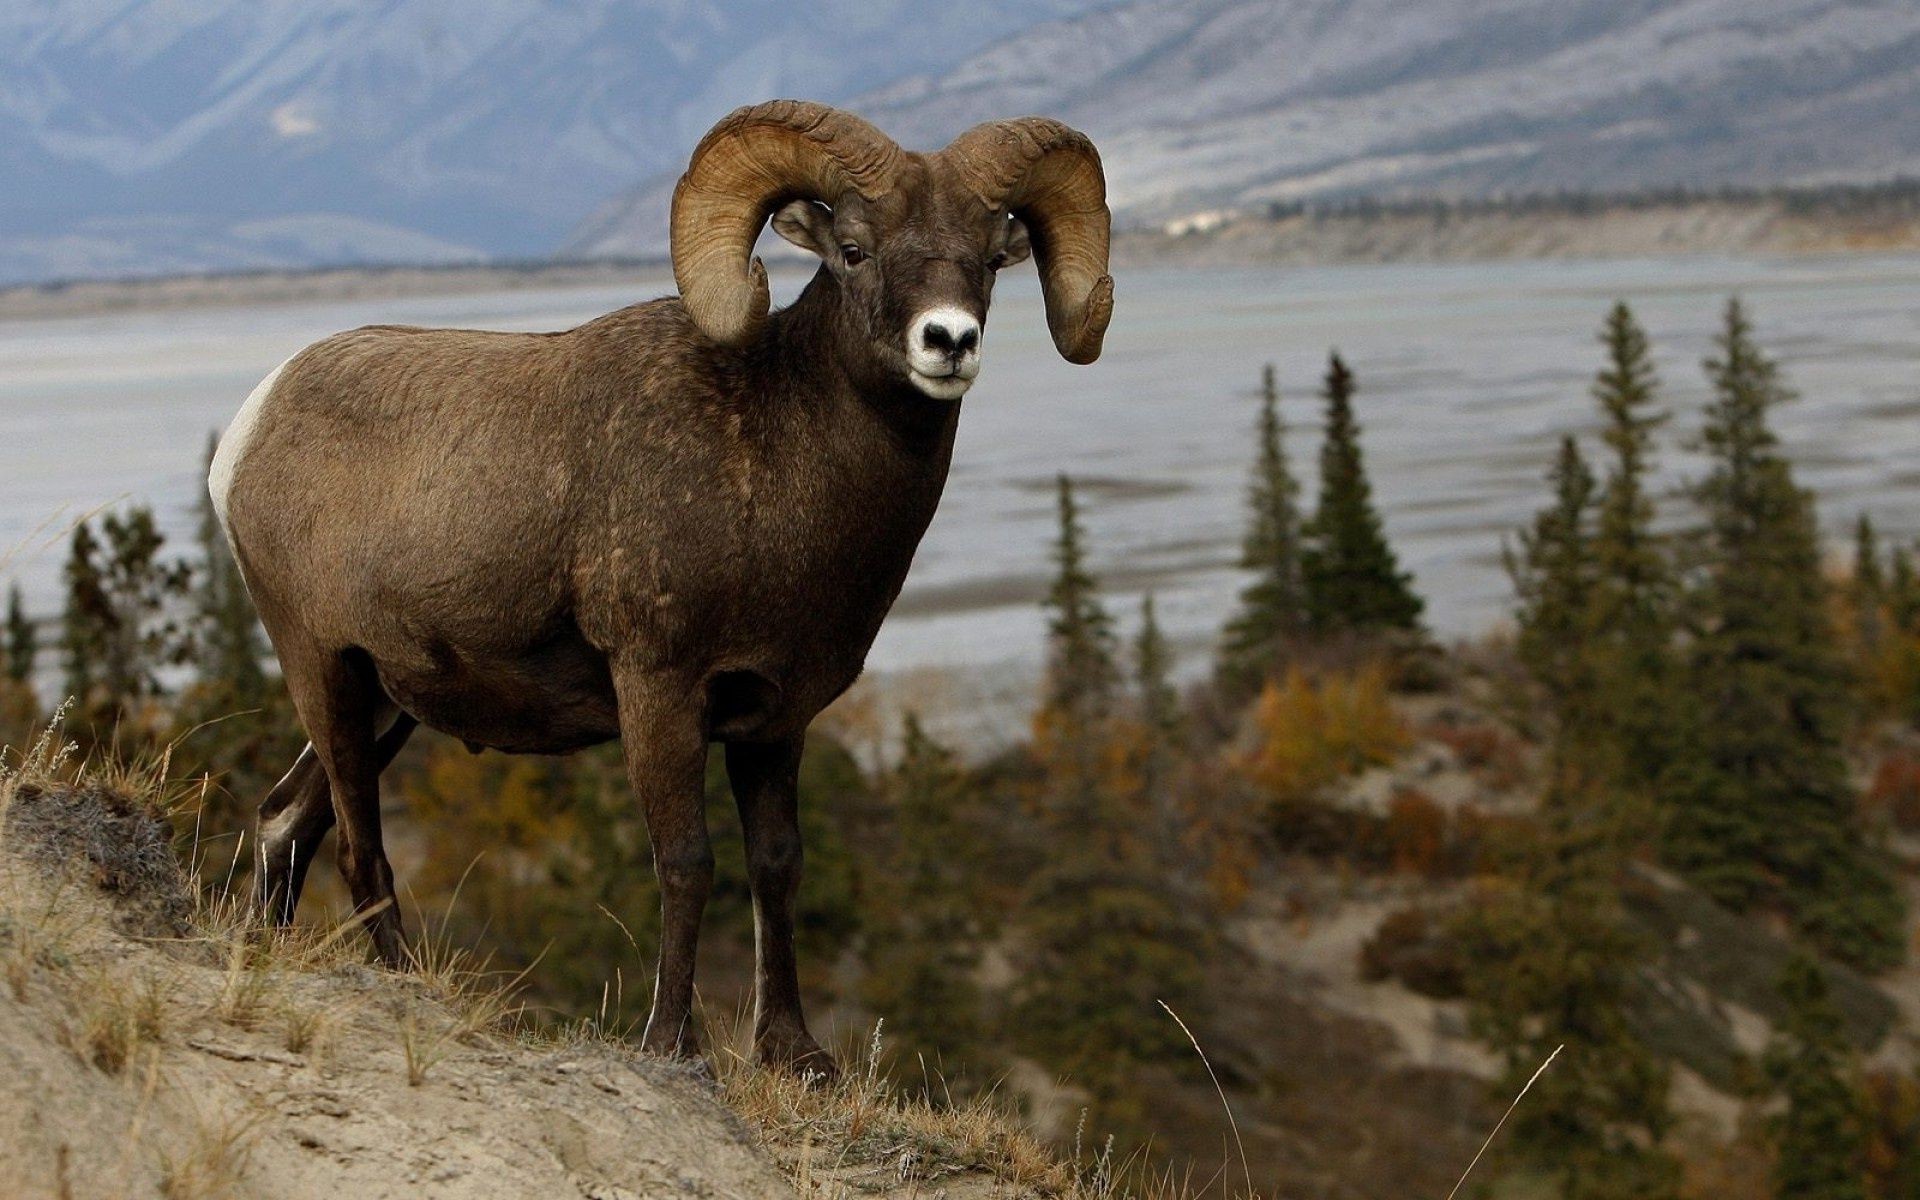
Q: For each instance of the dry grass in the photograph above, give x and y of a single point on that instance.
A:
(115, 1018)
(214, 1160)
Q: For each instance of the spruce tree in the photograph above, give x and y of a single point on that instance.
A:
(1553, 575)
(1820, 1138)
(1554, 961)
(86, 622)
(1903, 591)
(1352, 580)
(1081, 673)
(1868, 591)
(1153, 667)
(1634, 620)
(1273, 606)
(1104, 938)
(121, 627)
(1763, 804)
(23, 642)
(924, 954)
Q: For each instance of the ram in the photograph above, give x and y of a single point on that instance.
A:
(681, 523)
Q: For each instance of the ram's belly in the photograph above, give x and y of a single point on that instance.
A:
(548, 699)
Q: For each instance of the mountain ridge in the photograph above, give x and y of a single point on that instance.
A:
(1237, 104)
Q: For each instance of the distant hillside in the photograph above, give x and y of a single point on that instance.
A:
(1842, 220)
(140, 136)
(1201, 104)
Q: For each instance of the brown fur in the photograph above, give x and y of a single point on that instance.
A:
(537, 542)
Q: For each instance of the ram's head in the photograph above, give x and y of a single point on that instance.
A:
(912, 241)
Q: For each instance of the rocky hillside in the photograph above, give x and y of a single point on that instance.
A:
(154, 1047)
(1201, 104)
(146, 137)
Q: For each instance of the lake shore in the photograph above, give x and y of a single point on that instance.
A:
(1563, 228)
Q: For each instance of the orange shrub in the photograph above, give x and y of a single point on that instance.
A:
(1411, 947)
(1894, 794)
(1485, 749)
(1310, 733)
(1416, 833)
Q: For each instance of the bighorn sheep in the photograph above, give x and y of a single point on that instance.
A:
(677, 524)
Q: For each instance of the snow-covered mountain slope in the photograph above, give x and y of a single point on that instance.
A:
(157, 135)
(1205, 103)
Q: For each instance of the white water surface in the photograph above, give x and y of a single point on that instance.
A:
(1468, 374)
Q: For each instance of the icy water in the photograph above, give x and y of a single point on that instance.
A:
(1467, 374)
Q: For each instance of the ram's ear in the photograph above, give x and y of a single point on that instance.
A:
(1019, 245)
(808, 224)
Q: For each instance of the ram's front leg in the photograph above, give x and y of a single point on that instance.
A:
(765, 782)
(663, 736)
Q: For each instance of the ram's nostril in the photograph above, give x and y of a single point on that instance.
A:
(969, 338)
(937, 337)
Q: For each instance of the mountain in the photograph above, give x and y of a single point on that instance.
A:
(1199, 104)
(149, 135)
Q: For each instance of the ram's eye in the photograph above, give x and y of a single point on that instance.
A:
(997, 261)
(852, 254)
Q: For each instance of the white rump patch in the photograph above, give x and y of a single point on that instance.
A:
(233, 444)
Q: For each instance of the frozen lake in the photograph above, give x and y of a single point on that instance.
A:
(1467, 373)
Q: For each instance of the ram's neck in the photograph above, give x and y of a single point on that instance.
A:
(809, 359)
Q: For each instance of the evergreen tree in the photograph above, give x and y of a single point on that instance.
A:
(1352, 580)
(23, 642)
(87, 620)
(1080, 663)
(1553, 574)
(1153, 666)
(230, 646)
(1821, 1136)
(923, 958)
(1103, 939)
(120, 624)
(1763, 805)
(1869, 586)
(1633, 621)
(1903, 591)
(1554, 961)
(1273, 606)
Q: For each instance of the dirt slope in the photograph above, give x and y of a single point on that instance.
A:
(149, 1050)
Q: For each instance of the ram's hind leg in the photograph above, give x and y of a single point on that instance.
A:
(341, 705)
(296, 816)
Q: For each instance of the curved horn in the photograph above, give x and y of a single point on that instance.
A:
(753, 161)
(1050, 176)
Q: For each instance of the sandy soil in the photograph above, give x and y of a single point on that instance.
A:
(141, 1062)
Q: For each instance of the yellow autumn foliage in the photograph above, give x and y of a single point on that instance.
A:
(1310, 732)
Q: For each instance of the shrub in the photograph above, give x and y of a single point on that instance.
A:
(1894, 794)
(1410, 947)
(1310, 733)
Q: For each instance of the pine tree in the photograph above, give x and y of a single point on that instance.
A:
(1080, 664)
(1273, 606)
(1553, 574)
(1868, 591)
(1153, 666)
(87, 620)
(120, 626)
(1352, 580)
(1554, 961)
(1903, 591)
(230, 650)
(1104, 938)
(1821, 1136)
(1634, 620)
(1763, 804)
(923, 957)
(23, 642)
